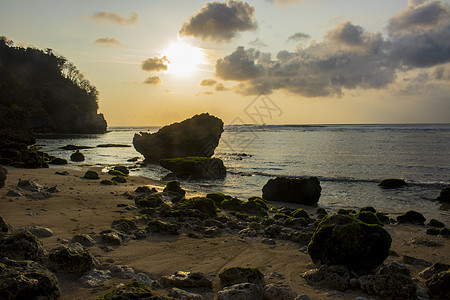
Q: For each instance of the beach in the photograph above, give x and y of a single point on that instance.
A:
(82, 206)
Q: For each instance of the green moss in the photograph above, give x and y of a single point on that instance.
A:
(205, 205)
(119, 179)
(124, 225)
(218, 198)
(90, 174)
(157, 226)
(241, 216)
(107, 182)
(439, 285)
(115, 172)
(280, 216)
(296, 222)
(300, 213)
(132, 290)
(152, 201)
(368, 217)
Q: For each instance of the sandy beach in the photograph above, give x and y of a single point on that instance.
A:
(85, 206)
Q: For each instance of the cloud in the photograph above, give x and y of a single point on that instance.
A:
(208, 82)
(153, 80)
(257, 43)
(283, 3)
(349, 57)
(112, 17)
(299, 36)
(107, 42)
(155, 64)
(220, 22)
(220, 87)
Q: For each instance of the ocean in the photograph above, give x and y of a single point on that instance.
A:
(349, 160)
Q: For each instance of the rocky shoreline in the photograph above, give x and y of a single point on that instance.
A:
(90, 238)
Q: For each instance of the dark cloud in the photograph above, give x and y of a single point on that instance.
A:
(220, 22)
(107, 42)
(220, 87)
(104, 16)
(299, 36)
(257, 43)
(348, 58)
(153, 80)
(208, 82)
(155, 64)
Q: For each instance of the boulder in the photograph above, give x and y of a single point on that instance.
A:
(182, 279)
(24, 279)
(344, 240)
(296, 190)
(330, 277)
(412, 217)
(119, 179)
(124, 225)
(132, 290)
(247, 291)
(205, 205)
(279, 291)
(439, 285)
(58, 161)
(444, 196)
(73, 259)
(29, 185)
(38, 231)
(433, 270)
(174, 191)
(151, 201)
(184, 295)
(196, 167)
(90, 174)
(157, 226)
(84, 239)
(122, 169)
(77, 156)
(21, 246)
(197, 136)
(392, 183)
(235, 275)
(3, 173)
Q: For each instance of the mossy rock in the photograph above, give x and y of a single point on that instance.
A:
(321, 212)
(58, 161)
(383, 217)
(122, 169)
(77, 156)
(392, 183)
(368, 217)
(259, 200)
(124, 225)
(84, 239)
(107, 182)
(27, 280)
(240, 215)
(439, 231)
(203, 204)
(346, 212)
(116, 173)
(439, 285)
(436, 223)
(21, 246)
(90, 174)
(132, 290)
(254, 207)
(218, 198)
(279, 215)
(444, 195)
(70, 260)
(145, 190)
(368, 208)
(152, 201)
(157, 226)
(296, 223)
(195, 166)
(296, 190)
(119, 179)
(411, 217)
(112, 237)
(344, 240)
(300, 213)
(174, 190)
(236, 275)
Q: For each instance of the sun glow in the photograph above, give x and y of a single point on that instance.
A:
(184, 59)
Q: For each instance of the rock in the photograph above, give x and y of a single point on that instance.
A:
(344, 240)
(296, 190)
(174, 190)
(184, 295)
(152, 201)
(409, 260)
(122, 271)
(124, 225)
(425, 242)
(332, 277)
(84, 239)
(115, 172)
(197, 136)
(392, 183)
(368, 217)
(132, 290)
(62, 173)
(436, 223)
(119, 179)
(144, 190)
(39, 195)
(182, 279)
(27, 280)
(122, 169)
(433, 270)
(204, 205)
(235, 275)
(279, 291)
(444, 195)
(113, 146)
(439, 231)
(143, 278)
(3, 173)
(156, 226)
(412, 217)
(75, 147)
(113, 237)
(241, 291)
(439, 285)
(38, 231)
(107, 182)
(13, 193)
(391, 282)
(29, 185)
(77, 156)
(4, 227)
(72, 259)
(94, 278)
(90, 174)
(59, 161)
(21, 246)
(195, 166)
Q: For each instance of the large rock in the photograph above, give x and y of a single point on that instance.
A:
(439, 285)
(197, 136)
(297, 190)
(70, 259)
(196, 167)
(27, 280)
(344, 240)
(444, 195)
(3, 173)
(330, 277)
(21, 246)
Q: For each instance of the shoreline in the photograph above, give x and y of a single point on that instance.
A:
(85, 206)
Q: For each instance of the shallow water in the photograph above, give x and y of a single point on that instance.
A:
(348, 159)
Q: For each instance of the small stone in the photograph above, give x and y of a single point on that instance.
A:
(84, 239)
(415, 261)
(122, 271)
(246, 291)
(38, 231)
(184, 295)
(141, 277)
(95, 278)
(279, 291)
(13, 193)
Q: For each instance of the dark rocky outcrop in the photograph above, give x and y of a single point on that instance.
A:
(21, 246)
(439, 285)
(392, 183)
(27, 280)
(174, 191)
(296, 190)
(205, 205)
(3, 173)
(344, 240)
(77, 156)
(197, 136)
(412, 217)
(70, 259)
(195, 167)
(444, 195)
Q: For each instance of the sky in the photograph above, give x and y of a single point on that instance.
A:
(266, 61)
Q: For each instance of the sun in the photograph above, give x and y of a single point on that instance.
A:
(184, 59)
